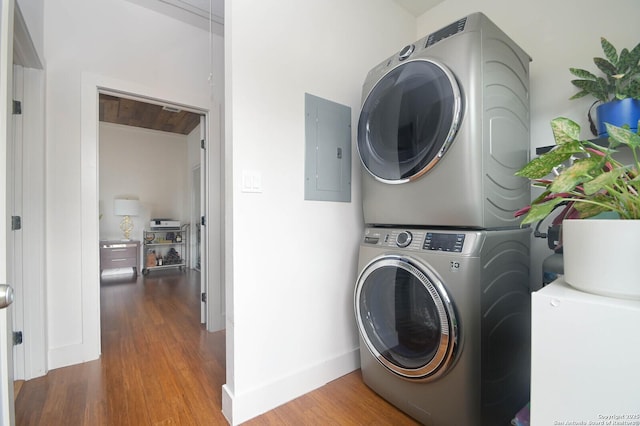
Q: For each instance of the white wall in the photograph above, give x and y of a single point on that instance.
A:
(290, 321)
(118, 45)
(146, 165)
(557, 35)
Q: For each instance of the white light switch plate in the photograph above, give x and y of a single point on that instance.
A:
(251, 181)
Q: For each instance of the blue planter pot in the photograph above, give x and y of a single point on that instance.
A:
(618, 113)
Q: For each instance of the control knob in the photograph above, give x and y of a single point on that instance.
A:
(406, 52)
(404, 239)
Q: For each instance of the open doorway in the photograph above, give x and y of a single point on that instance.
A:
(146, 153)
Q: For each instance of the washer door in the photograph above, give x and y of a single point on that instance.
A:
(406, 318)
(408, 121)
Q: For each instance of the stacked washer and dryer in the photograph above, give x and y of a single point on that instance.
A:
(442, 300)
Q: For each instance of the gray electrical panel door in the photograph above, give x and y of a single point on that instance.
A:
(327, 150)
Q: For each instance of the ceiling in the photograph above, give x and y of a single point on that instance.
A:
(417, 7)
(130, 112)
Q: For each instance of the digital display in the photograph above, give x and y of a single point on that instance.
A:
(443, 242)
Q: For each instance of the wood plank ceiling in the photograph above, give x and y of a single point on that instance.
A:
(149, 116)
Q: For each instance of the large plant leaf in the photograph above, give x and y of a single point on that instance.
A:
(633, 89)
(580, 94)
(542, 210)
(634, 75)
(609, 50)
(587, 210)
(634, 55)
(627, 84)
(608, 85)
(605, 66)
(575, 175)
(542, 197)
(603, 181)
(597, 89)
(583, 74)
(623, 78)
(541, 166)
(624, 136)
(591, 85)
(544, 164)
(624, 61)
(565, 130)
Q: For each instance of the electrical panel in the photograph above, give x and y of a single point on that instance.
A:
(327, 150)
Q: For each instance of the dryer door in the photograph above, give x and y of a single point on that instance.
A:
(408, 121)
(406, 318)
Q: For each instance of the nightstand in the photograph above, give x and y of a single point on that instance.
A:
(120, 254)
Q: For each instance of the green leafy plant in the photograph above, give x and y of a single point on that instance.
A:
(584, 176)
(622, 75)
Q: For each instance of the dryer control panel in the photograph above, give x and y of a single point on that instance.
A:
(443, 242)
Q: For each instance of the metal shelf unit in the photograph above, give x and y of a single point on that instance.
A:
(164, 249)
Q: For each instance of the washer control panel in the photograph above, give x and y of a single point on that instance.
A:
(416, 239)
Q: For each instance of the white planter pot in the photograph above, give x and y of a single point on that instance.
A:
(602, 256)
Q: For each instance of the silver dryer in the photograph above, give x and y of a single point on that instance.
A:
(444, 125)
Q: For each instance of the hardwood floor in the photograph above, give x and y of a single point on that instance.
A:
(160, 367)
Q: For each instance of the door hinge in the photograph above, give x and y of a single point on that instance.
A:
(203, 221)
(204, 297)
(16, 223)
(202, 145)
(17, 107)
(17, 338)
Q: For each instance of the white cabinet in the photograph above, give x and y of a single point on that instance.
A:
(585, 358)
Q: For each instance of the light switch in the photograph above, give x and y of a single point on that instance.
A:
(251, 181)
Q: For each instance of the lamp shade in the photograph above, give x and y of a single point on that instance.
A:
(123, 207)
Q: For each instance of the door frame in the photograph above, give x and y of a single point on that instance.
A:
(92, 85)
(7, 408)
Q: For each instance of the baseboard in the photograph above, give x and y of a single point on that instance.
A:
(71, 355)
(227, 404)
(238, 408)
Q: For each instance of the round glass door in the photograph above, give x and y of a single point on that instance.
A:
(408, 121)
(405, 318)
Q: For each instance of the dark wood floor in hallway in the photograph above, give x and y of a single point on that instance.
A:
(159, 366)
